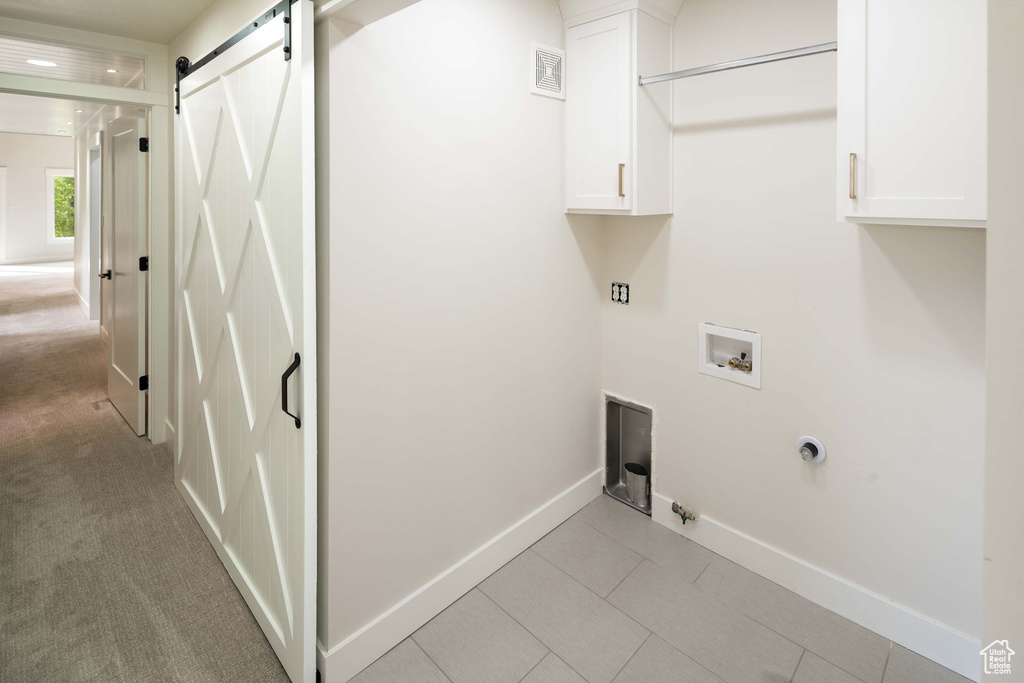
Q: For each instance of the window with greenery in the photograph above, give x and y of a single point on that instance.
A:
(60, 205)
(63, 206)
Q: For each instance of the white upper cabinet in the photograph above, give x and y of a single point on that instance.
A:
(912, 112)
(599, 164)
(618, 135)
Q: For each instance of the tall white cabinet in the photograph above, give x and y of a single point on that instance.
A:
(618, 134)
(912, 113)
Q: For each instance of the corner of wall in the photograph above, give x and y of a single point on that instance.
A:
(346, 659)
(1004, 330)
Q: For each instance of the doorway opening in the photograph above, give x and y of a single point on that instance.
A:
(80, 191)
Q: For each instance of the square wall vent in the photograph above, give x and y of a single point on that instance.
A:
(729, 354)
(547, 71)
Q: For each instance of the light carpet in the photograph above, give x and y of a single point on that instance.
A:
(104, 573)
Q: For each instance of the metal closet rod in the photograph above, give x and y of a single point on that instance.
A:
(740, 63)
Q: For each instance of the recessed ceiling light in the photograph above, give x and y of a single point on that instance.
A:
(41, 62)
(79, 111)
(109, 71)
(70, 124)
(62, 132)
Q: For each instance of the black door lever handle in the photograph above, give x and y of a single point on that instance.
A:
(105, 275)
(284, 390)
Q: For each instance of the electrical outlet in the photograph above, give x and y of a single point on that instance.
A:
(620, 293)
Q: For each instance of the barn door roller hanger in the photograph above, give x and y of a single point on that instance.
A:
(184, 67)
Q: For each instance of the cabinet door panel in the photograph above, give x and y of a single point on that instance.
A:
(599, 80)
(912, 107)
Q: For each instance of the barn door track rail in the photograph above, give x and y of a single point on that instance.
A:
(184, 67)
(740, 63)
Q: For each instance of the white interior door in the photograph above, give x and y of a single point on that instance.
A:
(246, 310)
(94, 185)
(105, 250)
(599, 89)
(127, 324)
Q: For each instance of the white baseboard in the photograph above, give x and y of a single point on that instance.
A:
(172, 436)
(82, 303)
(33, 260)
(348, 658)
(902, 625)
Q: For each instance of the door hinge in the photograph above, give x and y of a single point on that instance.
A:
(143, 144)
(144, 383)
(143, 263)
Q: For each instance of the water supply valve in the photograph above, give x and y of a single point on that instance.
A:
(741, 363)
(683, 512)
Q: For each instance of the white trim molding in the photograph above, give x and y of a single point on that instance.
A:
(82, 303)
(73, 90)
(355, 653)
(172, 436)
(898, 623)
(3, 214)
(576, 12)
(359, 12)
(161, 270)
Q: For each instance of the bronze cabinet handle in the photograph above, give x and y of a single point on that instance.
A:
(853, 175)
(621, 193)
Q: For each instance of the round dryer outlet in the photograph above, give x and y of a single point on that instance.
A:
(810, 449)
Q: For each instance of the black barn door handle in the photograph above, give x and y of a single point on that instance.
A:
(284, 390)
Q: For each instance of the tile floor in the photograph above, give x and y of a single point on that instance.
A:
(612, 596)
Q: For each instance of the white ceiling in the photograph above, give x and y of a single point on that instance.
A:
(43, 115)
(70, 63)
(158, 21)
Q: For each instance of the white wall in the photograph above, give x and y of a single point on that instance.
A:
(873, 338)
(1004, 466)
(86, 279)
(27, 157)
(464, 323)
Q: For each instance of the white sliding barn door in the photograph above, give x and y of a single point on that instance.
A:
(246, 306)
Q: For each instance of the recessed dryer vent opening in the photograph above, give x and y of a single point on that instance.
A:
(628, 453)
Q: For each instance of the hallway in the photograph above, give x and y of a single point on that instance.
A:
(104, 573)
